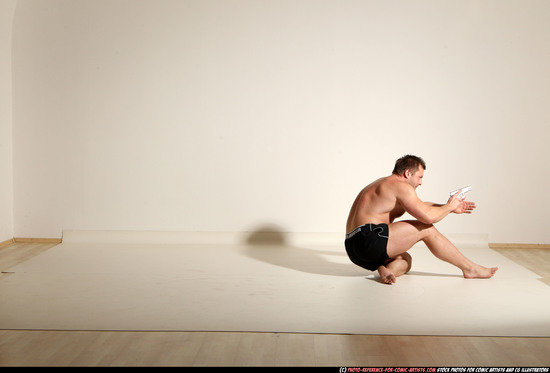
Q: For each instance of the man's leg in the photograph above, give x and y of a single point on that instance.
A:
(395, 267)
(400, 265)
(404, 234)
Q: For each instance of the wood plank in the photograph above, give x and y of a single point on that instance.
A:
(7, 243)
(536, 259)
(20, 252)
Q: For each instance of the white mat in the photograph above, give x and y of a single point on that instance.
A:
(108, 283)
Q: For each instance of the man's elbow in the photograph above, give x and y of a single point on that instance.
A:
(430, 220)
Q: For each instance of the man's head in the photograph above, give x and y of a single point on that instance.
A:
(411, 168)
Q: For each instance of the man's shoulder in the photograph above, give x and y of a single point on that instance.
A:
(395, 183)
(396, 186)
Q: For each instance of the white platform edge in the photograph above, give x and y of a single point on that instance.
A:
(234, 238)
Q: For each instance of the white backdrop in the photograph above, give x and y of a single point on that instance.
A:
(7, 9)
(216, 115)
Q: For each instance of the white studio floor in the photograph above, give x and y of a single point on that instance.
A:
(156, 282)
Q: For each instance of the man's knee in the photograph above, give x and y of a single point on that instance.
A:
(407, 258)
(428, 230)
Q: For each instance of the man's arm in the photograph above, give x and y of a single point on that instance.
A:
(426, 212)
(465, 207)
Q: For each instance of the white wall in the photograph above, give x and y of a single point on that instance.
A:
(7, 9)
(221, 115)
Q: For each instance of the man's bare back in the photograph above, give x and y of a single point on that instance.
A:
(377, 203)
(388, 198)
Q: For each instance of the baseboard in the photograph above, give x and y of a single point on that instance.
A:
(30, 240)
(37, 240)
(7, 243)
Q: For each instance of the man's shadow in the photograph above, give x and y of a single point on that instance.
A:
(270, 245)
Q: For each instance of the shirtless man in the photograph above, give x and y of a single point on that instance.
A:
(375, 242)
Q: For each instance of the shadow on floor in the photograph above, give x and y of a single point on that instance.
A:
(270, 245)
(429, 274)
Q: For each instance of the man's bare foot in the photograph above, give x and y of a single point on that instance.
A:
(479, 272)
(386, 276)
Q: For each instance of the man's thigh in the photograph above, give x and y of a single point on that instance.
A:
(404, 234)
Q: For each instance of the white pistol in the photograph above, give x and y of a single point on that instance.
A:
(462, 191)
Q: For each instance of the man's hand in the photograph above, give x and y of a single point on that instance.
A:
(455, 203)
(465, 207)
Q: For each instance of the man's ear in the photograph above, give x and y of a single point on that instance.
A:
(407, 174)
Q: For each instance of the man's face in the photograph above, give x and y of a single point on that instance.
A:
(415, 180)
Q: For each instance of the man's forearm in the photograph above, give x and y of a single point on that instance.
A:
(437, 212)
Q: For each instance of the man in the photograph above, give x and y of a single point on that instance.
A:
(375, 242)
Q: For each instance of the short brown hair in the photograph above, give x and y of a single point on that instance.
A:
(408, 162)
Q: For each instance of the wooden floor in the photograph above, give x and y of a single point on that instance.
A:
(113, 348)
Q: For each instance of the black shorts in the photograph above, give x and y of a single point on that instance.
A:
(366, 245)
